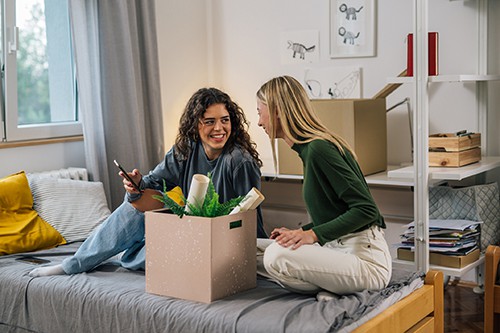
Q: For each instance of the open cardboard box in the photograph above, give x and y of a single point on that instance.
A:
(198, 258)
(361, 122)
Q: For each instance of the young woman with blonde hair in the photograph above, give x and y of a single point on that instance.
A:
(343, 249)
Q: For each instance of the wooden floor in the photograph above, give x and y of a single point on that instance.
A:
(463, 309)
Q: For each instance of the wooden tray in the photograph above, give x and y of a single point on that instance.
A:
(454, 159)
(452, 142)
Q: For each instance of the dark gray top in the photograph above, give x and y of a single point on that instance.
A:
(234, 173)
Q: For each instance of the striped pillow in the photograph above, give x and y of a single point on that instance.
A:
(73, 207)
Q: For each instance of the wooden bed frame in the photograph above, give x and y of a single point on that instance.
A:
(421, 311)
(491, 290)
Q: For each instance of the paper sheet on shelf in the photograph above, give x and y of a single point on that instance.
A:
(449, 224)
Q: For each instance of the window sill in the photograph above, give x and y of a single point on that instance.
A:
(16, 144)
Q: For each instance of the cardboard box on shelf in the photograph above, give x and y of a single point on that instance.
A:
(198, 258)
(441, 259)
(361, 122)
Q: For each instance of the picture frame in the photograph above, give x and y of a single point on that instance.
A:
(352, 28)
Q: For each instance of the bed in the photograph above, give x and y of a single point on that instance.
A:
(491, 290)
(113, 299)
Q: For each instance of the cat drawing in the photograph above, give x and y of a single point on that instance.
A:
(300, 49)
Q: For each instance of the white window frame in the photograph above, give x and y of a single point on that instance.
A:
(10, 129)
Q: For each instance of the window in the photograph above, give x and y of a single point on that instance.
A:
(39, 86)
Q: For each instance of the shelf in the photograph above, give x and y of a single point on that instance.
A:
(463, 78)
(437, 173)
(396, 176)
(380, 178)
(448, 78)
(458, 272)
(272, 176)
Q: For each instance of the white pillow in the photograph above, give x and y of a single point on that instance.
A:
(73, 207)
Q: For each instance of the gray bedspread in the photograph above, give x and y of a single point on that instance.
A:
(113, 299)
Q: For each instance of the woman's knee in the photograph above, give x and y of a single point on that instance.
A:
(275, 255)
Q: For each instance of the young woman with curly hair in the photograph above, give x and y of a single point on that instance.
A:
(212, 138)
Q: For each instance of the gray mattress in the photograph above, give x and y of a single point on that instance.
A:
(113, 299)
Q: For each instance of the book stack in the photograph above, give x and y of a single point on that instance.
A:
(452, 243)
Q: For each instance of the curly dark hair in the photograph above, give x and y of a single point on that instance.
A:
(193, 112)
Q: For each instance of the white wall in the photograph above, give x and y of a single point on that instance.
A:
(41, 158)
(183, 52)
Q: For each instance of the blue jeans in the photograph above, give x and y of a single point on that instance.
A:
(122, 231)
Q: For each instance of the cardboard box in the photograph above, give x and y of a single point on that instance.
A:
(198, 258)
(361, 122)
(441, 259)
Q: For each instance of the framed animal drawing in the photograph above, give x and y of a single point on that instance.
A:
(352, 28)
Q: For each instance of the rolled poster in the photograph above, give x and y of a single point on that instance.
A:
(250, 201)
(197, 190)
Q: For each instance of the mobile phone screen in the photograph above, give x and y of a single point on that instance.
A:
(125, 174)
(33, 260)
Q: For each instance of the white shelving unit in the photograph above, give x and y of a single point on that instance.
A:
(419, 174)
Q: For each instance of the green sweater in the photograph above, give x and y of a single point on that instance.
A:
(335, 192)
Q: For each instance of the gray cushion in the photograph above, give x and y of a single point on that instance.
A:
(73, 207)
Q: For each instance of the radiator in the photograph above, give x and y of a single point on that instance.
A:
(68, 173)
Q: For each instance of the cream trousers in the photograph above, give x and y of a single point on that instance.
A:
(349, 264)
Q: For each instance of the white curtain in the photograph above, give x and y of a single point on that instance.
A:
(115, 50)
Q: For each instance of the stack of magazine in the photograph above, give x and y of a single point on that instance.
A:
(447, 237)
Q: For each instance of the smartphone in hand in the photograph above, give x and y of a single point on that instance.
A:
(125, 174)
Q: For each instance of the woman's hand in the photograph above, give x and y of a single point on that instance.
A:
(293, 238)
(136, 176)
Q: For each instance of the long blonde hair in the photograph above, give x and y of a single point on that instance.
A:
(287, 99)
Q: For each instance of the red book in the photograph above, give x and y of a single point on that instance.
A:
(433, 40)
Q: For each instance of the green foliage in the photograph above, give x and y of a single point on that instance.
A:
(210, 207)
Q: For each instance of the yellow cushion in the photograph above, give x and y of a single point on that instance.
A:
(21, 229)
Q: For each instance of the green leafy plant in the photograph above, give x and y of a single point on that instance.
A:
(210, 207)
